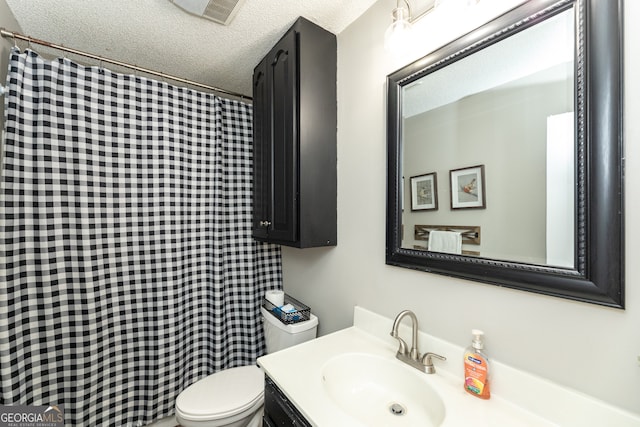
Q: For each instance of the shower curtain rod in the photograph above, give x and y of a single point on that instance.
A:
(14, 36)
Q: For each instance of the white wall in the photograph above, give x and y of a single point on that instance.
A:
(591, 348)
(464, 134)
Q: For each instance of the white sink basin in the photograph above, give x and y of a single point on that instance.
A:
(382, 392)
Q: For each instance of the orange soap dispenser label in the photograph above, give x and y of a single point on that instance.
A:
(476, 380)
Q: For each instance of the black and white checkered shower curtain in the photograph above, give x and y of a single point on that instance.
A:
(127, 267)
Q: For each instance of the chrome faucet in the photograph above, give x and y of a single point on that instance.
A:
(412, 356)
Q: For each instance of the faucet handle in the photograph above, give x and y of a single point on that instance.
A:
(428, 363)
(403, 349)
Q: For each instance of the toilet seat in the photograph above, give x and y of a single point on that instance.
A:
(222, 395)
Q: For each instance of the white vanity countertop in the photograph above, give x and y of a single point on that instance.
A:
(298, 373)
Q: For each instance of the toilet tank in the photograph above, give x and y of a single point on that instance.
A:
(279, 336)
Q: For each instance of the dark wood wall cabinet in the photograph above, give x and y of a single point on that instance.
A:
(278, 410)
(294, 140)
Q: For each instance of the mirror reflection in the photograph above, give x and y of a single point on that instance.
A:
(488, 163)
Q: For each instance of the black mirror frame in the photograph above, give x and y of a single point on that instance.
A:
(599, 274)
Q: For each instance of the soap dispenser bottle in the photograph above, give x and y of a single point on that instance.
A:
(476, 367)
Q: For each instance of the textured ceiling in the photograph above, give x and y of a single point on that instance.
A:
(158, 35)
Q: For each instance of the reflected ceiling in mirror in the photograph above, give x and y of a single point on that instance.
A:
(511, 110)
(505, 154)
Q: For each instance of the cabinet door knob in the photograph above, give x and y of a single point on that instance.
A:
(265, 223)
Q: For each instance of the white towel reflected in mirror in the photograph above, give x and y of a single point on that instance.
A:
(449, 242)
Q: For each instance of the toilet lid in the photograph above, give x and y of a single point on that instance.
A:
(223, 394)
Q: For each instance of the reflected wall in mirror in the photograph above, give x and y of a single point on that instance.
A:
(533, 99)
(510, 108)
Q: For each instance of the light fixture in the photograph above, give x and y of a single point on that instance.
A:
(398, 36)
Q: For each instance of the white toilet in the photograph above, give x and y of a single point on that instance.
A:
(234, 397)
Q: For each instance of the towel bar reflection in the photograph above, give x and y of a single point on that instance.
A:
(470, 234)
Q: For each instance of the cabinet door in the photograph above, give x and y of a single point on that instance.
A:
(261, 151)
(283, 88)
(295, 140)
(278, 410)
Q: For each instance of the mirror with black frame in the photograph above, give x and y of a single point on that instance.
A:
(505, 159)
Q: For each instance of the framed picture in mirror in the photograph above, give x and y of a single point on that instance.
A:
(424, 192)
(467, 188)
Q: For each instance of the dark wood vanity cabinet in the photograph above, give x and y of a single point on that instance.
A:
(294, 140)
(278, 410)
